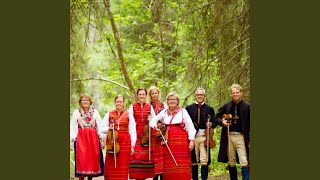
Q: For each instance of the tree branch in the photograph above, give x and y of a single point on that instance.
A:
(100, 79)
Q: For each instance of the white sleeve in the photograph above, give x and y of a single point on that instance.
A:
(100, 124)
(152, 113)
(105, 129)
(153, 122)
(131, 109)
(132, 130)
(189, 125)
(165, 106)
(74, 126)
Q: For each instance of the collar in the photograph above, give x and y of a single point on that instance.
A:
(201, 103)
(237, 103)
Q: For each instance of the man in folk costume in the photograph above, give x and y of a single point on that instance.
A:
(200, 112)
(86, 129)
(141, 163)
(154, 97)
(179, 139)
(234, 117)
(121, 121)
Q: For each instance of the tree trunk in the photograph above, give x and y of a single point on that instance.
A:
(119, 48)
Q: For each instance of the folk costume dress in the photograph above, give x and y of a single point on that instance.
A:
(140, 165)
(180, 130)
(85, 128)
(157, 145)
(125, 125)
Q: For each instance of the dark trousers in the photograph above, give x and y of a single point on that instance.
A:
(204, 169)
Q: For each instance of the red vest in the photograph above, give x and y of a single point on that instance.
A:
(157, 106)
(141, 114)
(121, 120)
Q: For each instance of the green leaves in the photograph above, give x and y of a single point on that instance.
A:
(175, 46)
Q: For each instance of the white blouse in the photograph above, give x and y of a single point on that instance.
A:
(132, 127)
(165, 118)
(74, 124)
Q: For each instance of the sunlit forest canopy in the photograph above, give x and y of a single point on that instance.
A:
(117, 46)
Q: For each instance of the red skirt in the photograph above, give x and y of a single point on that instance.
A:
(157, 153)
(140, 165)
(120, 172)
(179, 145)
(87, 153)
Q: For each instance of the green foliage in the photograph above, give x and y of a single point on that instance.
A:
(175, 45)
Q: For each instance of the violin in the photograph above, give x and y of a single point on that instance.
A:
(209, 136)
(163, 130)
(112, 140)
(230, 119)
(145, 137)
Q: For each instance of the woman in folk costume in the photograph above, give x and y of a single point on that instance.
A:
(123, 122)
(154, 97)
(85, 129)
(180, 139)
(141, 163)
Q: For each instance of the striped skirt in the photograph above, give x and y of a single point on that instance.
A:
(120, 172)
(179, 145)
(140, 165)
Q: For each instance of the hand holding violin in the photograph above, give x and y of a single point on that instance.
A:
(209, 124)
(102, 144)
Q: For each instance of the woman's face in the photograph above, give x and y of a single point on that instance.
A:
(119, 103)
(154, 95)
(172, 101)
(142, 96)
(85, 103)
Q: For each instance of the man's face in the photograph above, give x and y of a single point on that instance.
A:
(200, 96)
(236, 94)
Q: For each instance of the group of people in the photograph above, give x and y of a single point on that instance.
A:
(159, 140)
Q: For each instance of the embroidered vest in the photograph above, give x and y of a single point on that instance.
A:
(121, 121)
(157, 107)
(141, 114)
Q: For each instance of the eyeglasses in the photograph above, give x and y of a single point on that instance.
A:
(172, 99)
(85, 100)
(119, 102)
(199, 94)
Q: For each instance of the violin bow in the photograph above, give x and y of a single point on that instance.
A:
(165, 141)
(114, 146)
(149, 129)
(208, 134)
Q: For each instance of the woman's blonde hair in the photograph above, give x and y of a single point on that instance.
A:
(149, 93)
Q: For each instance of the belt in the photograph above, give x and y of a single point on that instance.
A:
(234, 132)
(203, 135)
(87, 127)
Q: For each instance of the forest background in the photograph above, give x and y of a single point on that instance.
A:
(117, 46)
